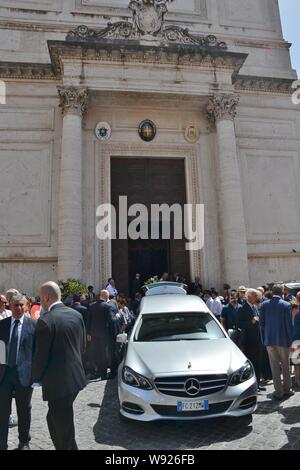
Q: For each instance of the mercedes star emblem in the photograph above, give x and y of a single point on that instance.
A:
(192, 387)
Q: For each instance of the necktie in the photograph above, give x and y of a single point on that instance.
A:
(12, 356)
(255, 311)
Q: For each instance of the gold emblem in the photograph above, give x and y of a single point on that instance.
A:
(192, 134)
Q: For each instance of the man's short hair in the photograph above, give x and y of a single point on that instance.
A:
(277, 289)
(17, 298)
(10, 293)
(76, 297)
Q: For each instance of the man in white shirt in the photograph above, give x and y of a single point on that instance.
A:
(216, 306)
(111, 288)
(4, 312)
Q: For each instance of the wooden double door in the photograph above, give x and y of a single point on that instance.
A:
(148, 181)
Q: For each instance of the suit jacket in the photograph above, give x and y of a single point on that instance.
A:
(276, 323)
(296, 330)
(250, 336)
(114, 307)
(26, 348)
(101, 321)
(83, 310)
(229, 314)
(60, 343)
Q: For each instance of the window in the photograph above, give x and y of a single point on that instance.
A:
(177, 327)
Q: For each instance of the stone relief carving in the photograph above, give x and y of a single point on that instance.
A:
(222, 107)
(147, 24)
(264, 84)
(148, 15)
(73, 100)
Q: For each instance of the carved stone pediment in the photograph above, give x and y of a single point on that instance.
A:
(147, 24)
(125, 30)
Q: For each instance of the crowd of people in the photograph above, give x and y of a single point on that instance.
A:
(60, 347)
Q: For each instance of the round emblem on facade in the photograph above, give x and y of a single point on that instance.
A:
(192, 387)
(103, 131)
(147, 130)
(192, 134)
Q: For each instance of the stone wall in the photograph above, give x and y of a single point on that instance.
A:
(252, 27)
(29, 163)
(268, 132)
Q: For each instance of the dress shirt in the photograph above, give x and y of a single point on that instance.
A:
(112, 290)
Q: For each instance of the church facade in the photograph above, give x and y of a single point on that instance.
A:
(82, 78)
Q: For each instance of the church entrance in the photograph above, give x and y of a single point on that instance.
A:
(148, 257)
(148, 181)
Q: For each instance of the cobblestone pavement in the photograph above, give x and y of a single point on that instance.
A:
(98, 426)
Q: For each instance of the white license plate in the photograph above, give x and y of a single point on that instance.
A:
(192, 406)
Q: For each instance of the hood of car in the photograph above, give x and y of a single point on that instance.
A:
(184, 357)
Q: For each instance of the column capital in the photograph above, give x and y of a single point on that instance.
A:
(73, 100)
(222, 106)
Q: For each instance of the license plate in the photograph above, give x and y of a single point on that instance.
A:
(192, 406)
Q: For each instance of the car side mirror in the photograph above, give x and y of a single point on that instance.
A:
(122, 338)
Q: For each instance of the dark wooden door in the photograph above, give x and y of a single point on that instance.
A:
(147, 181)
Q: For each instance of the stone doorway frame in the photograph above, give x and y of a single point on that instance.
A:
(104, 152)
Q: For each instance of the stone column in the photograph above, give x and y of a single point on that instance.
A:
(73, 101)
(222, 109)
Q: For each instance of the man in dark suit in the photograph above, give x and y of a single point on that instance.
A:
(17, 333)
(76, 305)
(229, 318)
(136, 285)
(248, 323)
(60, 343)
(276, 326)
(102, 333)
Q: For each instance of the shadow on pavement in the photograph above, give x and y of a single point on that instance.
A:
(161, 435)
(293, 436)
(291, 416)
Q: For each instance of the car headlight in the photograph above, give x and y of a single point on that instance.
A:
(242, 375)
(135, 380)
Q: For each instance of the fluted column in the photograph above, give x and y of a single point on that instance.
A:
(222, 109)
(73, 101)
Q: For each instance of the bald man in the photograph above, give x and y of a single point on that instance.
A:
(57, 365)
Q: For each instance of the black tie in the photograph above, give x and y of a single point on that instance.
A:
(12, 356)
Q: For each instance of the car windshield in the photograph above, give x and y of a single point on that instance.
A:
(177, 327)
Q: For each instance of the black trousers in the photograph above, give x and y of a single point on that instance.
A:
(11, 387)
(60, 419)
(254, 354)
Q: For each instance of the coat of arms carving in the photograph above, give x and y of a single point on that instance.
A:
(148, 23)
(148, 15)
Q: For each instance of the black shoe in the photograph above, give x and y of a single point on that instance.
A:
(289, 394)
(23, 446)
(261, 389)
